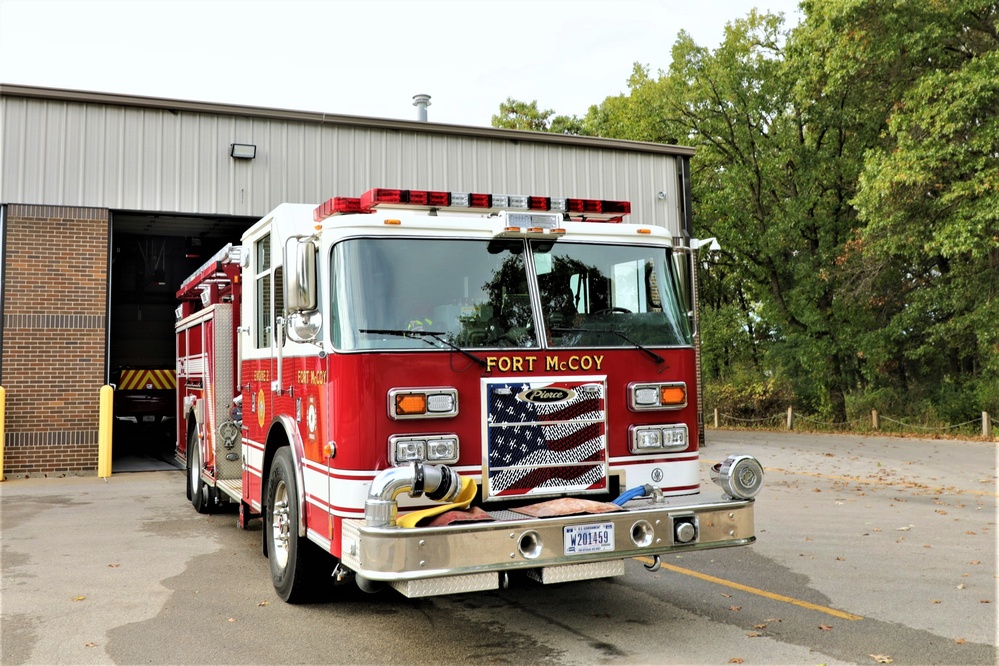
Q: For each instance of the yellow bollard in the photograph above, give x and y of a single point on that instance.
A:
(3, 410)
(104, 432)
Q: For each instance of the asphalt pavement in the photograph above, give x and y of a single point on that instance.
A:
(901, 533)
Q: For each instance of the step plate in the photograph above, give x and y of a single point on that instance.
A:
(583, 571)
(432, 587)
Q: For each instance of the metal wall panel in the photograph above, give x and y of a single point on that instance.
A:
(152, 158)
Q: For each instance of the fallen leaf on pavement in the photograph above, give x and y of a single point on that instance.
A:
(90, 644)
(79, 598)
(735, 660)
(753, 634)
(735, 608)
(825, 627)
(880, 658)
(960, 641)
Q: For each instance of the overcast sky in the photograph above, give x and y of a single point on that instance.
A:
(357, 57)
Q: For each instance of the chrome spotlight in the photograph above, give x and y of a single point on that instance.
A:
(741, 477)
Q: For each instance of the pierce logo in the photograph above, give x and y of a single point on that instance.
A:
(548, 394)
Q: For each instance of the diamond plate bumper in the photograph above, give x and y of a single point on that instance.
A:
(512, 541)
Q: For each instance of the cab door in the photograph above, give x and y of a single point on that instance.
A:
(259, 352)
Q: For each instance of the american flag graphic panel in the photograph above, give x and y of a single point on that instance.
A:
(545, 436)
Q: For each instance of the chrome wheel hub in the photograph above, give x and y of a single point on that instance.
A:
(280, 525)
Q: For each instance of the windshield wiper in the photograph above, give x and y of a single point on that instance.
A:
(423, 335)
(656, 357)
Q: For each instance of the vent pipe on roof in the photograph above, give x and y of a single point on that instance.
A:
(421, 102)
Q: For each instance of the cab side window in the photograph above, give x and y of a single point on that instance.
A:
(264, 293)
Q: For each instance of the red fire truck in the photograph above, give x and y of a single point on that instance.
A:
(434, 391)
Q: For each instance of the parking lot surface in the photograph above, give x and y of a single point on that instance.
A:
(869, 549)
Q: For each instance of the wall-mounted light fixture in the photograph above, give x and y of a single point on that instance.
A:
(242, 151)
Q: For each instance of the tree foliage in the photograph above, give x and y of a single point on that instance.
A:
(849, 167)
(930, 197)
(514, 114)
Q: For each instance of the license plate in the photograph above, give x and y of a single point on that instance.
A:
(594, 538)
(149, 418)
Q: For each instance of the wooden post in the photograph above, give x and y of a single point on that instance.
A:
(790, 418)
(716, 418)
(986, 426)
(875, 421)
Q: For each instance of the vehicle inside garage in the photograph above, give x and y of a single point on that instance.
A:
(150, 256)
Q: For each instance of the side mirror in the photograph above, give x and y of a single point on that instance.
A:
(300, 275)
(301, 289)
(684, 262)
(304, 326)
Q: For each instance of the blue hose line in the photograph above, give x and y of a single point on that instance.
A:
(628, 495)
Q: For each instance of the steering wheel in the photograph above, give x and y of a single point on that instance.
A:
(614, 309)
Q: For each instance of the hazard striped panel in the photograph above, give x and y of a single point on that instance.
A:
(137, 380)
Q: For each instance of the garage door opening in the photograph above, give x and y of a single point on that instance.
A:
(150, 256)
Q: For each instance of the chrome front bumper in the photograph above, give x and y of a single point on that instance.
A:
(457, 558)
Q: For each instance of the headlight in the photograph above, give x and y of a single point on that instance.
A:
(442, 450)
(658, 438)
(438, 449)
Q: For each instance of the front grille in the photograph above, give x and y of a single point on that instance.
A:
(544, 437)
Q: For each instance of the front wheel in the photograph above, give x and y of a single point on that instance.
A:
(299, 569)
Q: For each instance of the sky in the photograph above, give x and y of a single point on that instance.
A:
(358, 57)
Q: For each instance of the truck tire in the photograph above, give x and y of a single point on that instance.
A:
(295, 561)
(189, 484)
(202, 497)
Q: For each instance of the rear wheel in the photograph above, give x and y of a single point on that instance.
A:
(300, 570)
(190, 480)
(202, 497)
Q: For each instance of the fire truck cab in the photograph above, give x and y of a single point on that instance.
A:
(433, 390)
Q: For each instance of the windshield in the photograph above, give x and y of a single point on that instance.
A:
(409, 293)
(609, 296)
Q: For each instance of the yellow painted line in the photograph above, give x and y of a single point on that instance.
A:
(752, 590)
(881, 482)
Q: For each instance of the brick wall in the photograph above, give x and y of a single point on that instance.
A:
(54, 338)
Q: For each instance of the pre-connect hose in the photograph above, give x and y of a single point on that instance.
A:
(628, 495)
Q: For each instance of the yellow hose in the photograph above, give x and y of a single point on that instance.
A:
(464, 498)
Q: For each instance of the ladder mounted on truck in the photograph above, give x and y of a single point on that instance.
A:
(216, 281)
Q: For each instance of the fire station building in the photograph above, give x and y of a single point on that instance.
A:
(107, 202)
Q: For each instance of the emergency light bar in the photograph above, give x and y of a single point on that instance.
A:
(529, 225)
(574, 209)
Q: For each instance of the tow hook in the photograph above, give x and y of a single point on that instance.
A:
(656, 564)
